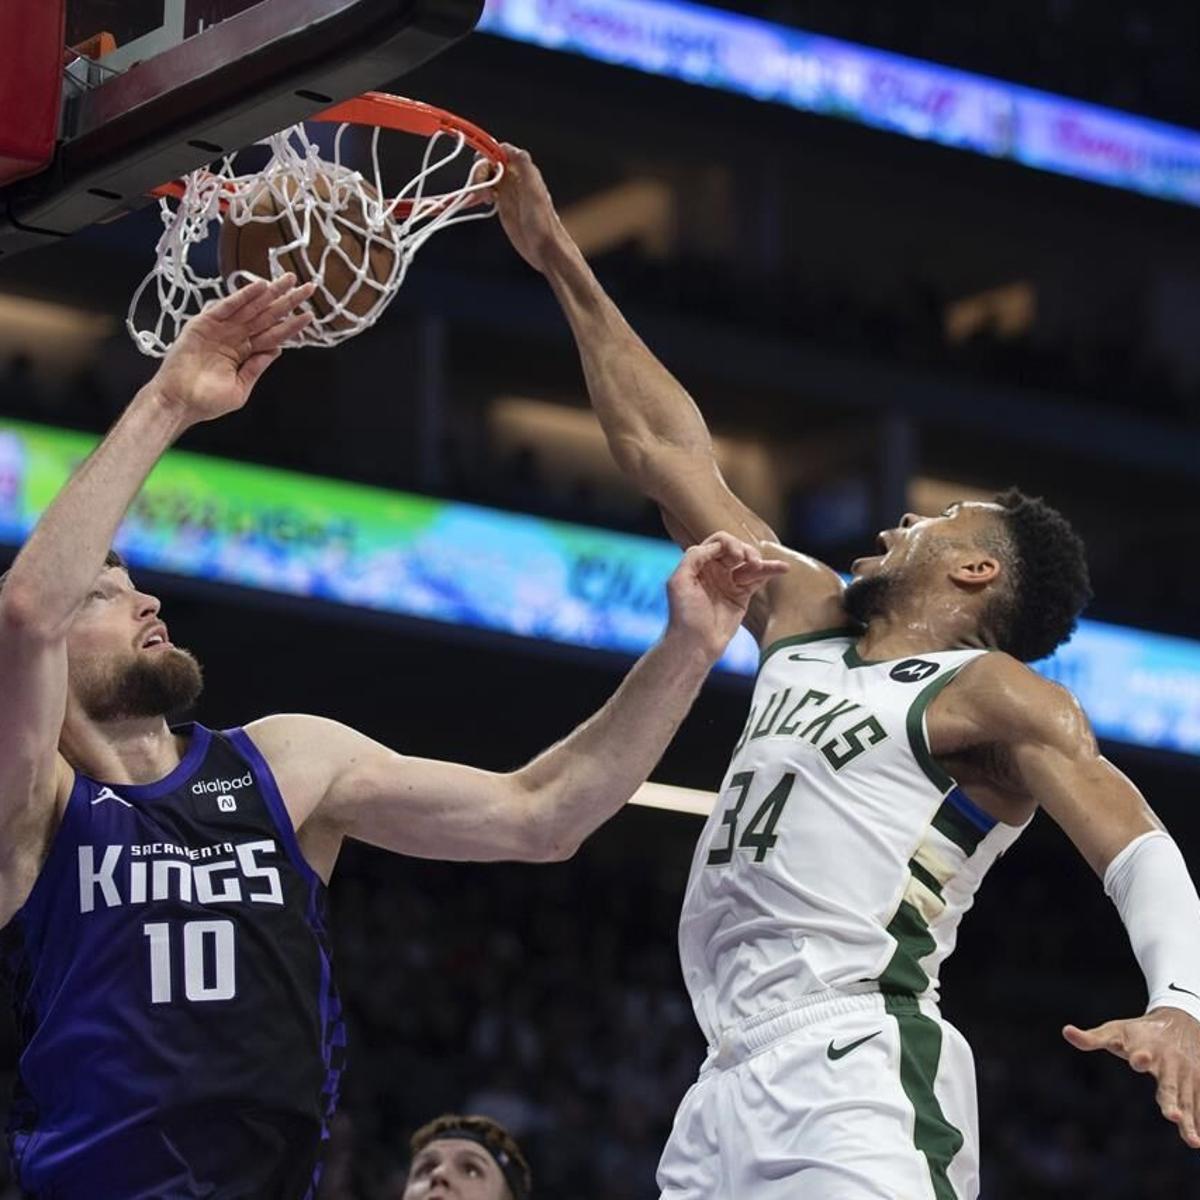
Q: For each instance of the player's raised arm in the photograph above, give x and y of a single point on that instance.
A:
(544, 810)
(655, 431)
(1050, 751)
(210, 371)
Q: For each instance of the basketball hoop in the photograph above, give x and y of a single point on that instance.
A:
(326, 219)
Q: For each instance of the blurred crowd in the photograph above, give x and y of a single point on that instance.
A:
(1125, 53)
(1109, 364)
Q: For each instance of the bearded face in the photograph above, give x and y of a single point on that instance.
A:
(150, 683)
(121, 662)
(867, 597)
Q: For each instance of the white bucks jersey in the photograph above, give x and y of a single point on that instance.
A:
(839, 852)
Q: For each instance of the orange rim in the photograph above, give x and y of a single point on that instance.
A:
(400, 114)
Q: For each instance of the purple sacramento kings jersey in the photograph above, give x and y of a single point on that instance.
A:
(179, 1029)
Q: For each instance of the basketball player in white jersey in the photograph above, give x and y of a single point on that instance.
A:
(896, 746)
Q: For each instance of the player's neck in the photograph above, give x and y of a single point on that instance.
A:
(134, 751)
(924, 627)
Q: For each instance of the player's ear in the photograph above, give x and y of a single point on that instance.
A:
(975, 571)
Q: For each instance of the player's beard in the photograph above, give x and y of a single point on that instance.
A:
(869, 596)
(152, 684)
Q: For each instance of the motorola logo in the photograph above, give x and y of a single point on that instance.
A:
(913, 670)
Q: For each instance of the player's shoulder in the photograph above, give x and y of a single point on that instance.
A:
(1007, 696)
(804, 565)
(304, 741)
(807, 599)
(281, 736)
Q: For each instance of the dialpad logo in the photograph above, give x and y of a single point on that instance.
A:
(913, 670)
(221, 785)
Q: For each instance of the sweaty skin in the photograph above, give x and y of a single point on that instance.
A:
(1012, 739)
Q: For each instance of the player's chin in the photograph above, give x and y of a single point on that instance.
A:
(865, 566)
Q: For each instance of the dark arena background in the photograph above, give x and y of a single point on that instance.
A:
(877, 310)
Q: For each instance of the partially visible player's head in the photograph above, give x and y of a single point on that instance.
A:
(466, 1158)
(120, 661)
(1013, 567)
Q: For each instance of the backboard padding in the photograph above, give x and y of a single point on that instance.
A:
(264, 68)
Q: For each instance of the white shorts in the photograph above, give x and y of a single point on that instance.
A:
(843, 1097)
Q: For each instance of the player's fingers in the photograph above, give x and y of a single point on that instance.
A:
(238, 301)
(1141, 1061)
(1183, 1093)
(280, 308)
(733, 549)
(516, 156)
(748, 578)
(765, 568)
(1195, 1143)
(261, 298)
(699, 556)
(1167, 1095)
(279, 333)
(250, 315)
(1188, 1124)
(1109, 1036)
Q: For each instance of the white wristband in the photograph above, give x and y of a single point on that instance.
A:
(1150, 885)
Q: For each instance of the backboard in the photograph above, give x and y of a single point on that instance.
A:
(165, 86)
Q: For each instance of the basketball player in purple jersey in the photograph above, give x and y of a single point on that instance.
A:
(163, 889)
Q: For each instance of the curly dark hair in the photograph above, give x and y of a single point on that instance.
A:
(111, 559)
(1049, 581)
(492, 1135)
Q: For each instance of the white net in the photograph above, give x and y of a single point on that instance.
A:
(329, 223)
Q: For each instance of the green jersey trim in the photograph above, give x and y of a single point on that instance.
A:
(800, 639)
(920, 1052)
(904, 974)
(917, 741)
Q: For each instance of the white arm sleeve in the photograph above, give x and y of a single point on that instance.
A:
(1150, 885)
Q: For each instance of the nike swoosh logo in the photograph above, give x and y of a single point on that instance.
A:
(836, 1052)
(803, 658)
(1174, 987)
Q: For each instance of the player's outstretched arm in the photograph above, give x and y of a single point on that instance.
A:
(543, 811)
(1053, 756)
(655, 431)
(210, 370)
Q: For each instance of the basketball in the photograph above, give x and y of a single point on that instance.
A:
(351, 264)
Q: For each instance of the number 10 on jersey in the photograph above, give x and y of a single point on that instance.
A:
(209, 971)
(759, 835)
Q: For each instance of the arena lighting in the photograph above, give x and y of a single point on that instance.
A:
(569, 445)
(438, 560)
(638, 210)
(57, 336)
(926, 101)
